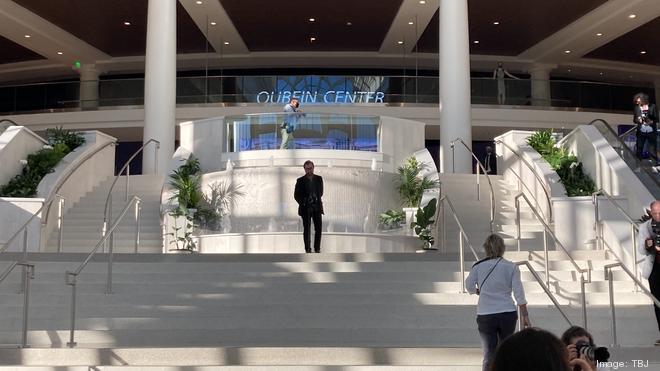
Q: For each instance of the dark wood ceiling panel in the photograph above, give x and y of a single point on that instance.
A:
(523, 23)
(101, 24)
(10, 52)
(628, 47)
(283, 25)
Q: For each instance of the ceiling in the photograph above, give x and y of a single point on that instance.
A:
(347, 33)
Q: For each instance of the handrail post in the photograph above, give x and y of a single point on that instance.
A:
(156, 157)
(597, 227)
(478, 184)
(460, 256)
(28, 275)
(609, 276)
(634, 254)
(584, 301)
(71, 280)
(547, 260)
(60, 222)
(453, 162)
(23, 267)
(108, 285)
(138, 209)
(128, 177)
(517, 201)
(444, 226)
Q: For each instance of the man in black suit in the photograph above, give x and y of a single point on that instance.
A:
(308, 193)
(490, 161)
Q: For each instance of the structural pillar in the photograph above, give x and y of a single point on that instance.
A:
(89, 87)
(540, 76)
(455, 106)
(160, 85)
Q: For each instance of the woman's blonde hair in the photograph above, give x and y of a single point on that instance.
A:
(494, 246)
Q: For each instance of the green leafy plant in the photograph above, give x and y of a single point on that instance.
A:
(182, 235)
(423, 221)
(41, 163)
(218, 202)
(410, 185)
(570, 171)
(391, 219)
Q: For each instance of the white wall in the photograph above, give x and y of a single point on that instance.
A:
(14, 212)
(206, 139)
(16, 143)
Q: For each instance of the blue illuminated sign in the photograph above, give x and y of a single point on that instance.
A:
(331, 96)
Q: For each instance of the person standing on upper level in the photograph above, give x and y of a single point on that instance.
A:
(500, 73)
(293, 113)
(645, 116)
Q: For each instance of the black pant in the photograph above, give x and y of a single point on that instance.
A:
(654, 285)
(307, 217)
(493, 329)
(650, 139)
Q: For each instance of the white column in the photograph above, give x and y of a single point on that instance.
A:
(540, 76)
(455, 115)
(89, 86)
(160, 84)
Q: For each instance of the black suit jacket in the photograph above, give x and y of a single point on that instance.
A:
(301, 194)
(652, 117)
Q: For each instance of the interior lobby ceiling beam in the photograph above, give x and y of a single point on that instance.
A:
(401, 29)
(213, 21)
(611, 20)
(39, 35)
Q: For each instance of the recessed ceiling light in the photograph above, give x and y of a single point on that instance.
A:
(226, 42)
(312, 39)
(27, 36)
(312, 19)
(632, 16)
(630, 77)
(198, 2)
(599, 34)
(476, 42)
(59, 53)
(127, 23)
(349, 23)
(213, 23)
(567, 51)
(642, 52)
(569, 70)
(496, 23)
(400, 42)
(411, 23)
(602, 73)
(422, 2)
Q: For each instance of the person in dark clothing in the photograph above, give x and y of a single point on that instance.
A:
(490, 161)
(308, 193)
(649, 251)
(645, 116)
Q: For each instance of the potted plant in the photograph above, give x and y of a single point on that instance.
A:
(424, 219)
(185, 181)
(411, 187)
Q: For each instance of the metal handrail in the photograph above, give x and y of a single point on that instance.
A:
(634, 227)
(609, 276)
(461, 235)
(28, 274)
(71, 278)
(547, 291)
(547, 230)
(628, 131)
(479, 166)
(544, 186)
(9, 121)
(625, 147)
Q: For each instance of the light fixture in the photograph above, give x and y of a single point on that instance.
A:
(642, 52)
(27, 36)
(213, 23)
(602, 73)
(349, 23)
(475, 42)
(400, 42)
(60, 53)
(127, 23)
(312, 39)
(569, 70)
(226, 42)
(312, 19)
(411, 23)
(632, 16)
(567, 51)
(422, 2)
(199, 2)
(496, 23)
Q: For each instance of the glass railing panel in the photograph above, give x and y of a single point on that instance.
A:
(312, 131)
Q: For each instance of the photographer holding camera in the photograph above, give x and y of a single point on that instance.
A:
(293, 113)
(645, 116)
(579, 342)
(648, 246)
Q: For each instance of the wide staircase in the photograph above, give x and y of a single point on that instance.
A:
(84, 221)
(361, 311)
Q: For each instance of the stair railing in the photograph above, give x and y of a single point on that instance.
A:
(107, 209)
(72, 276)
(12, 122)
(540, 181)
(480, 167)
(609, 276)
(547, 292)
(547, 230)
(598, 226)
(462, 236)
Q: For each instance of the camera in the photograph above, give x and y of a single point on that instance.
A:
(600, 354)
(655, 228)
